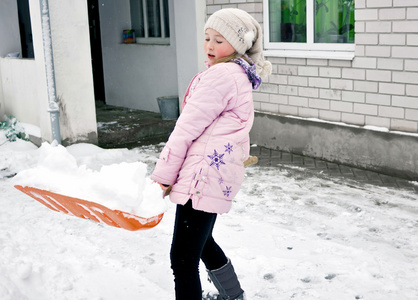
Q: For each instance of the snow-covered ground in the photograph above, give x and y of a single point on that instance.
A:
(289, 235)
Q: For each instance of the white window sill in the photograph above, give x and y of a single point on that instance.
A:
(153, 41)
(337, 55)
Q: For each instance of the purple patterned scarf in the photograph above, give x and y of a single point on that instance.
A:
(250, 69)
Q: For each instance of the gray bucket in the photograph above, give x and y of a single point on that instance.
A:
(169, 107)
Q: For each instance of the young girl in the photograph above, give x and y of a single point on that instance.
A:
(203, 158)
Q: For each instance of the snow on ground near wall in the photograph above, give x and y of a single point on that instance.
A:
(290, 235)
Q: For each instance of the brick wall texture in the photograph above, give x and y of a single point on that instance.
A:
(379, 87)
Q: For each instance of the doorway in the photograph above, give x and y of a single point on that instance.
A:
(96, 50)
(25, 28)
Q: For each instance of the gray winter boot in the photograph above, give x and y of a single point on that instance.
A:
(226, 282)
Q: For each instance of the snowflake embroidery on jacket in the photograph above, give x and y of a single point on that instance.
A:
(220, 180)
(217, 159)
(227, 191)
(228, 148)
(194, 83)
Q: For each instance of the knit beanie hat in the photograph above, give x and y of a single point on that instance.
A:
(243, 32)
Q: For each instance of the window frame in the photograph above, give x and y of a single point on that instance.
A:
(165, 37)
(309, 49)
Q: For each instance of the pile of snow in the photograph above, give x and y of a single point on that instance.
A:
(123, 186)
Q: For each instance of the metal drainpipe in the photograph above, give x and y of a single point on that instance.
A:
(50, 72)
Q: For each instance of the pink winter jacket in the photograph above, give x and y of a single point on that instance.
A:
(203, 158)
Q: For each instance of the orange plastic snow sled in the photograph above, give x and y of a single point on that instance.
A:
(90, 210)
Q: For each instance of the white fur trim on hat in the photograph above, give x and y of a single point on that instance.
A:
(243, 32)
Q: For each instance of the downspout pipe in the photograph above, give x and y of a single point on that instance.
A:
(53, 107)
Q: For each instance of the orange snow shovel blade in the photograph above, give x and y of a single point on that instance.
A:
(90, 210)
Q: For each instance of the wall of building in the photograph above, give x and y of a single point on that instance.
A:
(9, 28)
(189, 21)
(21, 89)
(24, 80)
(377, 88)
(1, 100)
(388, 153)
(376, 91)
(1, 97)
(9, 38)
(73, 71)
(135, 75)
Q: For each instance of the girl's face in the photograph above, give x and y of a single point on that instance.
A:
(216, 46)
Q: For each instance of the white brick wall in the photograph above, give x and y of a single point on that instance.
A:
(378, 87)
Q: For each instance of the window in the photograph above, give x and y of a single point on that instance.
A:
(150, 21)
(310, 27)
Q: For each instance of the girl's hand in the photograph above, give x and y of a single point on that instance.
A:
(166, 189)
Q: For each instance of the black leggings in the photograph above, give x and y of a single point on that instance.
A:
(192, 241)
